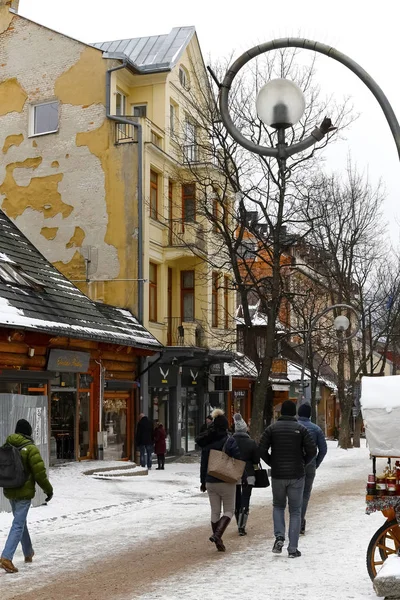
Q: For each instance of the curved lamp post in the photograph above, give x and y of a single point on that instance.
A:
(277, 96)
(341, 323)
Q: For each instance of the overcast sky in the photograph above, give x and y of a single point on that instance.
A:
(366, 30)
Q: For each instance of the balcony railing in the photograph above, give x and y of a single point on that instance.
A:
(125, 133)
(186, 234)
(191, 153)
(185, 333)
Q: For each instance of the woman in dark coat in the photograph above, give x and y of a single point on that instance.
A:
(220, 493)
(250, 453)
(160, 446)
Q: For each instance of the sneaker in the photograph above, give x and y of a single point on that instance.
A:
(277, 547)
(294, 554)
(8, 566)
(303, 527)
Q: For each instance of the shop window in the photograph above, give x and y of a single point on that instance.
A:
(115, 426)
(153, 194)
(152, 292)
(187, 296)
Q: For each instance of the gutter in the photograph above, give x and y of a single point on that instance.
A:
(138, 127)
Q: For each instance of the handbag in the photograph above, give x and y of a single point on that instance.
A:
(261, 475)
(225, 467)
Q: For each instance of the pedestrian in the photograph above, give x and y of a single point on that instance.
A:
(250, 453)
(144, 440)
(304, 414)
(206, 424)
(287, 447)
(220, 493)
(160, 445)
(20, 498)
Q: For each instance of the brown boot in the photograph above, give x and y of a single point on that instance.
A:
(7, 565)
(28, 559)
(219, 532)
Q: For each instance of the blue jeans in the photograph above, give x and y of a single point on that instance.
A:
(292, 489)
(310, 476)
(145, 455)
(19, 530)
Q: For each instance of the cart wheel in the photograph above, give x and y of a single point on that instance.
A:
(385, 541)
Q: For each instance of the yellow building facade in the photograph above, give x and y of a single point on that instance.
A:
(98, 143)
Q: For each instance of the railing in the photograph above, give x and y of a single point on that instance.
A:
(125, 133)
(185, 333)
(191, 153)
(186, 234)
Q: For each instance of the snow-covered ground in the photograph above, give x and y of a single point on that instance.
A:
(88, 515)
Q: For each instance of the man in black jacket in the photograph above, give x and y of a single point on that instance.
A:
(144, 440)
(287, 447)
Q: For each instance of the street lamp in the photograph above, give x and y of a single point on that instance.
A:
(280, 103)
(341, 324)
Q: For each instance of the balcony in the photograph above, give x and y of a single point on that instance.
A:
(191, 154)
(189, 235)
(185, 333)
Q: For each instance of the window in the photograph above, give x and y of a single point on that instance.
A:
(226, 302)
(13, 274)
(190, 141)
(187, 296)
(153, 195)
(139, 110)
(214, 301)
(172, 119)
(156, 139)
(184, 78)
(120, 104)
(152, 292)
(45, 118)
(189, 203)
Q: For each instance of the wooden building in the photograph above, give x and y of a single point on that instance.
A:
(82, 355)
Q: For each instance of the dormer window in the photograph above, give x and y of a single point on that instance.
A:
(184, 78)
(12, 274)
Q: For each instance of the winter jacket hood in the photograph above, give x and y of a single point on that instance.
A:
(287, 446)
(318, 436)
(33, 465)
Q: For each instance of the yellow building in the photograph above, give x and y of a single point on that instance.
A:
(98, 146)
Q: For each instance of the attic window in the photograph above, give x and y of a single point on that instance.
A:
(184, 78)
(14, 275)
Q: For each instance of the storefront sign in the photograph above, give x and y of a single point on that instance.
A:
(66, 360)
(217, 369)
(191, 376)
(163, 376)
(239, 393)
(280, 388)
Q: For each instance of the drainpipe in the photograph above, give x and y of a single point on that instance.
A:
(138, 127)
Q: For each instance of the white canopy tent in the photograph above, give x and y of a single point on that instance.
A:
(380, 406)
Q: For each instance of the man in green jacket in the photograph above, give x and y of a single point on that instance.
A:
(21, 498)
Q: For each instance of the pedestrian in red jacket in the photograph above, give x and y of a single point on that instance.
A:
(160, 446)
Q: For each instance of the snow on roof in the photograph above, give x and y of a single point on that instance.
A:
(241, 367)
(55, 305)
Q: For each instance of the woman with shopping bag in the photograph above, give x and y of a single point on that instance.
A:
(221, 489)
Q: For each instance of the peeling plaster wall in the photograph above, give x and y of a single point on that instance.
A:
(69, 189)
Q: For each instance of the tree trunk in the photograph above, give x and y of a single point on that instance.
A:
(346, 404)
(357, 430)
(259, 401)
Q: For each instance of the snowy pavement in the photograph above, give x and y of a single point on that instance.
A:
(88, 516)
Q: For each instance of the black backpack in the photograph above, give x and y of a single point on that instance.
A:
(12, 472)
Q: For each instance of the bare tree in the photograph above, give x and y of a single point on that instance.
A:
(249, 204)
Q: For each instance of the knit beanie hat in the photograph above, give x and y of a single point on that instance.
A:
(304, 411)
(288, 409)
(23, 427)
(240, 423)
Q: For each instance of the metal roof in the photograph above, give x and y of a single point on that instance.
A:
(150, 54)
(56, 305)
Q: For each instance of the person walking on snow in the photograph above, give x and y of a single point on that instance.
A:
(219, 492)
(250, 453)
(21, 498)
(304, 414)
(287, 447)
(144, 440)
(160, 445)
